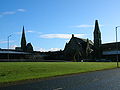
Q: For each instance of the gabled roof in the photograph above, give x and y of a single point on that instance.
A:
(82, 40)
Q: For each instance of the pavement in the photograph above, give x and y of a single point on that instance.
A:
(99, 80)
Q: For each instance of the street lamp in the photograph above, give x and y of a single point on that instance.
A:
(8, 46)
(117, 47)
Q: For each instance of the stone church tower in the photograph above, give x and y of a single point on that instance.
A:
(23, 40)
(97, 40)
(25, 47)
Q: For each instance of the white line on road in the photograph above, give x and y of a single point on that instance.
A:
(58, 89)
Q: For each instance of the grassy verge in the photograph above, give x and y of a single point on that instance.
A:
(16, 71)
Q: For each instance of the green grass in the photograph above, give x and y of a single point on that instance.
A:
(16, 71)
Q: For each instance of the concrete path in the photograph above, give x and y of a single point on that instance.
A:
(99, 80)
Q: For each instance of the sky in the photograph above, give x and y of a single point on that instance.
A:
(49, 24)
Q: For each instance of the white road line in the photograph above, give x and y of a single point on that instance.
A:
(58, 89)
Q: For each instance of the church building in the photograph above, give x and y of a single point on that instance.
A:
(78, 49)
(24, 46)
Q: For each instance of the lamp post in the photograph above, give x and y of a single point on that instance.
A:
(117, 47)
(8, 46)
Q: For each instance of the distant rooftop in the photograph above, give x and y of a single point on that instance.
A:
(5, 51)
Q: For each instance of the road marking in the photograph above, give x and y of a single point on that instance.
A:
(58, 89)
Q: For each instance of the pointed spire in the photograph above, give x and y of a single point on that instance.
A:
(23, 32)
(23, 40)
(96, 26)
(97, 40)
(23, 27)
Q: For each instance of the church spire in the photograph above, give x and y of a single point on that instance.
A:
(96, 26)
(97, 34)
(97, 39)
(23, 40)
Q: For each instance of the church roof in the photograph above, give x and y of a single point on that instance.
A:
(81, 40)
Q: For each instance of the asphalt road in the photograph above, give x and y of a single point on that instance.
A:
(99, 80)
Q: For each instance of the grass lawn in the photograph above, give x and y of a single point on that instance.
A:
(16, 71)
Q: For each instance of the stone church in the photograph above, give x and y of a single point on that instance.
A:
(24, 46)
(77, 48)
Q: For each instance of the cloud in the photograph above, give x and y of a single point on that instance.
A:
(21, 10)
(64, 36)
(26, 31)
(51, 49)
(13, 46)
(8, 13)
(30, 31)
(3, 42)
(85, 26)
(11, 12)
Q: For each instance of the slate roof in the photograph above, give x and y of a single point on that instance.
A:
(83, 40)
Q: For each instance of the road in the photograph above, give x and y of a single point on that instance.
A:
(99, 80)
